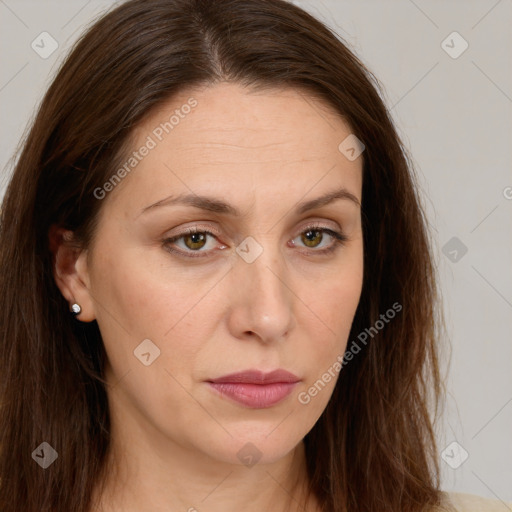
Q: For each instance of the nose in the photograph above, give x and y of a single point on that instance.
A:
(263, 304)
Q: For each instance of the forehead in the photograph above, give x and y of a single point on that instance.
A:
(229, 137)
(275, 120)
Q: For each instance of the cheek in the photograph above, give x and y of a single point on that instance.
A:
(137, 305)
(334, 305)
(141, 295)
(334, 298)
(141, 301)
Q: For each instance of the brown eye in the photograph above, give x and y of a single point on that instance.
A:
(195, 240)
(191, 243)
(312, 238)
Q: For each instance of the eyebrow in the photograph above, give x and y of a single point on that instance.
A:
(212, 204)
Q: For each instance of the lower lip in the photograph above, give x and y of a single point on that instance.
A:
(257, 396)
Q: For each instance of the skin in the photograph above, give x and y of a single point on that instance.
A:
(174, 440)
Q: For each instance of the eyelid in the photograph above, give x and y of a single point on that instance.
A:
(316, 224)
(187, 231)
(340, 238)
(337, 234)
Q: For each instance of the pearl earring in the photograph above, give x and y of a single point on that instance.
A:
(76, 309)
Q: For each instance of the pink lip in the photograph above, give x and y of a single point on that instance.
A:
(254, 388)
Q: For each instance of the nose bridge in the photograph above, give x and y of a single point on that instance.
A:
(263, 264)
(266, 302)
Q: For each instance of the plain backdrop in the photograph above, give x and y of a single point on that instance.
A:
(451, 98)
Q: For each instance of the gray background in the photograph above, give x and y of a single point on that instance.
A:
(454, 115)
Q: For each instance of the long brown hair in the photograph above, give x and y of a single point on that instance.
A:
(374, 448)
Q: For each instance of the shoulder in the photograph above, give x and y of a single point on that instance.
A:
(462, 502)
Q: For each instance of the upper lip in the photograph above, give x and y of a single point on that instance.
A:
(257, 377)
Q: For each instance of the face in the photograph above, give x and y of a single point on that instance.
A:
(210, 259)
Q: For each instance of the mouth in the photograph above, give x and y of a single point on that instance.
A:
(254, 388)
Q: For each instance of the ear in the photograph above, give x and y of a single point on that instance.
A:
(70, 271)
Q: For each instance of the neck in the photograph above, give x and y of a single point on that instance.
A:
(151, 482)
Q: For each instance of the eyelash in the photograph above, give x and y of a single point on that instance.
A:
(339, 240)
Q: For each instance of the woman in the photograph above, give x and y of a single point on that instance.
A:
(218, 290)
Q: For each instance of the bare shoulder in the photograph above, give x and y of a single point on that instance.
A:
(463, 502)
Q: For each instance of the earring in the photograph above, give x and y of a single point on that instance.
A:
(76, 309)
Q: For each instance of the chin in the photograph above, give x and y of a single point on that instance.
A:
(249, 445)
